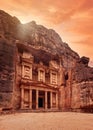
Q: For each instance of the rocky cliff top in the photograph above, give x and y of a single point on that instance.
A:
(8, 25)
(36, 36)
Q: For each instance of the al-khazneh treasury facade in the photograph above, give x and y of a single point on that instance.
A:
(39, 84)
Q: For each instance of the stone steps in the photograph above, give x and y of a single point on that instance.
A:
(38, 111)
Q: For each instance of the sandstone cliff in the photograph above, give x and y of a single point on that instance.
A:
(7, 72)
(45, 44)
(37, 36)
(82, 87)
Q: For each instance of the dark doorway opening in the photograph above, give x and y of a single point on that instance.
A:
(40, 102)
(33, 99)
(48, 99)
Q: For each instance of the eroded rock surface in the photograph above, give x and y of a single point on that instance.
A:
(76, 88)
(7, 72)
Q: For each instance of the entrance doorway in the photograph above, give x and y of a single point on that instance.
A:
(33, 99)
(40, 102)
(48, 100)
(41, 99)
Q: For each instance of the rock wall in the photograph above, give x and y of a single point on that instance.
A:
(66, 90)
(82, 86)
(7, 73)
(76, 89)
(37, 36)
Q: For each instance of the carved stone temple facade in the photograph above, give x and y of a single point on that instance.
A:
(39, 84)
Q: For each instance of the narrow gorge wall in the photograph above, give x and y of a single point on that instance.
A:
(82, 87)
(7, 73)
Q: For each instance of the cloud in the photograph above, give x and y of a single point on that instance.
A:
(54, 11)
(86, 5)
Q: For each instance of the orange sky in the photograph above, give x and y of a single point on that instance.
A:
(72, 19)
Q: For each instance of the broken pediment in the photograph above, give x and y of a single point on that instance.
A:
(27, 55)
(53, 64)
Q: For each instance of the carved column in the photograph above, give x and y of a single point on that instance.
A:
(31, 72)
(22, 98)
(38, 74)
(51, 100)
(56, 78)
(30, 99)
(45, 99)
(61, 98)
(56, 100)
(37, 99)
(50, 77)
(22, 70)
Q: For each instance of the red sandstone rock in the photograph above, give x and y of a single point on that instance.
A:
(48, 51)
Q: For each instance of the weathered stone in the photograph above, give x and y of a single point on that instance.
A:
(7, 71)
(34, 62)
(84, 60)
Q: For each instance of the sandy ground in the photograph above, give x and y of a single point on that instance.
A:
(47, 121)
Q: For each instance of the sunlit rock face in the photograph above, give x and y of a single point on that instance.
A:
(45, 45)
(47, 39)
(8, 25)
(82, 88)
(37, 36)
